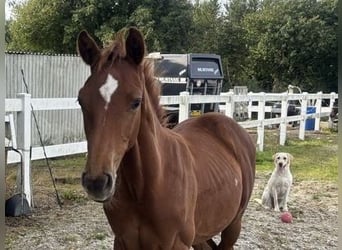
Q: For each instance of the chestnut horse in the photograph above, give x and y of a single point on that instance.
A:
(160, 188)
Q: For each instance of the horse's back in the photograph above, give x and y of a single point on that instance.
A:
(221, 130)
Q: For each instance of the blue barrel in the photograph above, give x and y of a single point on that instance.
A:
(310, 123)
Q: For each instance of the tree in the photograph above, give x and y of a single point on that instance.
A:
(142, 18)
(35, 30)
(207, 20)
(53, 25)
(100, 17)
(172, 21)
(294, 42)
(233, 45)
(264, 44)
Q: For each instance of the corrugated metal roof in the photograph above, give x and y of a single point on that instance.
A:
(37, 53)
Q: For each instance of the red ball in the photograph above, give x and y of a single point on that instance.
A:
(286, 217)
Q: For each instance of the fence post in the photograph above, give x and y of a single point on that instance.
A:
(24, 144)
(331, 105)
(303, 115)
(250, 104)
(183, 106)
(261, 117)
(332, 98)
(318, 110)
(229, 107)
(283, 123)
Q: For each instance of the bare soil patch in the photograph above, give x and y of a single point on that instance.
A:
(82, 225)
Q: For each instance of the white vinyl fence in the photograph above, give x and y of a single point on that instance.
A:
(23, 105)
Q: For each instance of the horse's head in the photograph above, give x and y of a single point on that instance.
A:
(110, 100)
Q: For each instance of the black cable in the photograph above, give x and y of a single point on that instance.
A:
(42, 144)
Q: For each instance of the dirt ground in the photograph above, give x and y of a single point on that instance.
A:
(82, 225)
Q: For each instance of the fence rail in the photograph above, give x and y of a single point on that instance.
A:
(24, 104)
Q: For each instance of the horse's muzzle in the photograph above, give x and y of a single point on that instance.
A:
(99, 188)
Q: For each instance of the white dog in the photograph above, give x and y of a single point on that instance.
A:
(277, 190)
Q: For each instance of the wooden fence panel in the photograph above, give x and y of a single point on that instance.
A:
(23, 105)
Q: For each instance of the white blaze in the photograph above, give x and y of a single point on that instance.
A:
(108, 88)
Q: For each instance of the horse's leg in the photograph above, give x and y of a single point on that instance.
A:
(121, 244)
(179, 246)
(230, 235)
(118, 244)
(209, 245)
(202, 246)
(212, 244)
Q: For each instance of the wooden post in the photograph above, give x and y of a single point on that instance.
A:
(332, 100)
(261, 117)
(318, 106)
(229, 108)
(24, 143)
(283, 124)
(303, 115)
(183, 106)
(250, 103)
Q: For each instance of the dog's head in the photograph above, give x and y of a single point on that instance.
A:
(282, 160)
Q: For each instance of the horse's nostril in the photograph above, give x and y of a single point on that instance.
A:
(109, 180)
(97, 184)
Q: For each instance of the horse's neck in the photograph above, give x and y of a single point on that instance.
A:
(141, 167)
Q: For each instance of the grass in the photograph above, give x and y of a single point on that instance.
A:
(68, 193)
(66, 172)
(100, 236)
(315, 159)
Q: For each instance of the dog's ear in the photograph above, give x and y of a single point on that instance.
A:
(274, 156)
(290, 156)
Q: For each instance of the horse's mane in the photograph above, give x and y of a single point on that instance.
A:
(153, 88)
(151, 83)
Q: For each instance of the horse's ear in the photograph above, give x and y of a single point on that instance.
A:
(135, 45)
(87, 48)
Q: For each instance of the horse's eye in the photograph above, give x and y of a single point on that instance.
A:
(135, 104)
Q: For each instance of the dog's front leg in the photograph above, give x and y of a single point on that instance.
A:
(284, 201)
(275, 200)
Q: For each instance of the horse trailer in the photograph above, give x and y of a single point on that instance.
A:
(198, 74)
